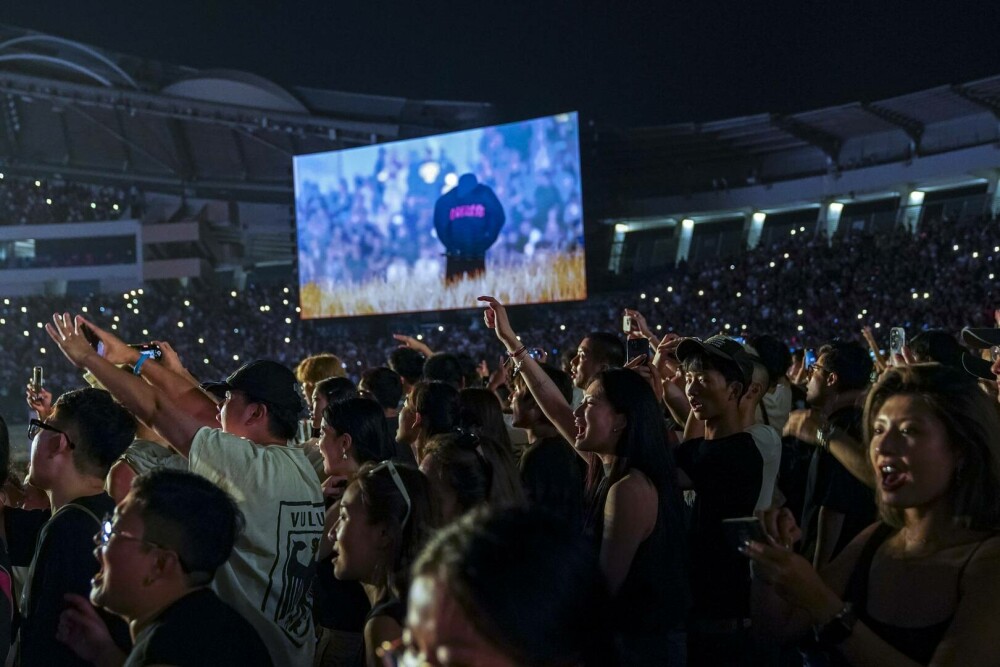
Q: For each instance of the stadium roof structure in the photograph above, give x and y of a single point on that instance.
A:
(694, 157)
(74, 110)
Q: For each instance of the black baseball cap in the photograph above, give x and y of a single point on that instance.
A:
(941, 346)
(268, 382)
(979, 339)
(722, 347)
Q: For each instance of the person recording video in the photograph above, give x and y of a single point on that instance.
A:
(468, 219)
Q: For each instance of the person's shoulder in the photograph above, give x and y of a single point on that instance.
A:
(634, 487)
(193, 623)
(81, 513)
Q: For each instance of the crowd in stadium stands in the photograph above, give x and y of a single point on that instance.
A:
(382, 223)
(28, 201)
(717, 502)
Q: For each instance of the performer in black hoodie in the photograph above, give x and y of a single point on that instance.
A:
(468, 219)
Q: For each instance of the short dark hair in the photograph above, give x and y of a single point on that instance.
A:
(444, 367)
(539, 598)
(477, 468)
(408, 363)
(851, 362)
(104, 428)
(188, 514)
(774, 355)
(337, 389)
(384, 385)
(282, 422)
(606, 348)
(363, 420)
(438, 406)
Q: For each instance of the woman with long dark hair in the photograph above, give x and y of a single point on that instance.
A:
(635, 514)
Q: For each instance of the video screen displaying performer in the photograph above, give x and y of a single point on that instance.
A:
(432, 223)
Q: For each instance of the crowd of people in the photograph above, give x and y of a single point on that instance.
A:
(381, 223)
(750, 473)
(30, 201)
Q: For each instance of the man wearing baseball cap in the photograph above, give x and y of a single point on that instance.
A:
(268, 575)
(982, 339)
(726, 470)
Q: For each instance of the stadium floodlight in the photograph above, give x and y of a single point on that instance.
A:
(621, 229)
(687, 223)
(759, 217)
(836, 207)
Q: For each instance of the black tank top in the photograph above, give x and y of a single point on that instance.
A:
(918, 644)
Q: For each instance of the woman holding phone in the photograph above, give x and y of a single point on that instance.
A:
(921, 586)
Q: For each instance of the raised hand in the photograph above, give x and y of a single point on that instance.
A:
(413, 344)
(69, 337)
(495, 316)
(115, 350)
(39, 400)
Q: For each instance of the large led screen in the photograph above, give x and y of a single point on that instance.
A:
(432, 223)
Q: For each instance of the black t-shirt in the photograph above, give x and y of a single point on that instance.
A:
(199, 630)
(830, 485)
(727, 474)
(553, 475)
(63, 562)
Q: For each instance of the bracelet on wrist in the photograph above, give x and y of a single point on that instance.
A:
(518, 352)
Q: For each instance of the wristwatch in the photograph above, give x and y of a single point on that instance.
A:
(823, 435)
(838, 628)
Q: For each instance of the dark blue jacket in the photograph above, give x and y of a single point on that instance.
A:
(468, 218)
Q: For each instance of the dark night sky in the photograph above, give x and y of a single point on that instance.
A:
(619, 62)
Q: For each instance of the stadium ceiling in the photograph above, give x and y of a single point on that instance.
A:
(696, 157)
(81, 112)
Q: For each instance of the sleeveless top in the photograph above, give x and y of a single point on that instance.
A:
(918, 644)
(145, 456)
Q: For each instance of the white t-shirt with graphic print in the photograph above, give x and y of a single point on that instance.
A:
(267, 577)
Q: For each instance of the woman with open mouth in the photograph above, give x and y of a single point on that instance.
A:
(921, 586)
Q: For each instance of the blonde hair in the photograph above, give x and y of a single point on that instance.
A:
(318, 367)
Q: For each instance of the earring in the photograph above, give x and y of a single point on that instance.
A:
(345, 455)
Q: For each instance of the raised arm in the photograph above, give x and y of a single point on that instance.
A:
(805, 424)
(176, 425)
(544, 391)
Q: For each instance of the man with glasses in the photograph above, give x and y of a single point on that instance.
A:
(158, 553)
(837, 506)
(71, 453)
(267, 578)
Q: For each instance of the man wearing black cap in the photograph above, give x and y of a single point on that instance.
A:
(981, 339)
(267, 578)
(726, 469)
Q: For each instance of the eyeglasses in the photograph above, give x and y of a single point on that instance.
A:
(109, 530)
(816, 367)
(995, 353)
(35, 426)
(398, 481)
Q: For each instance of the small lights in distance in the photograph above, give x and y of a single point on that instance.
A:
(132, 292)
(201, 341)
(24, 309)
(656, 299)
(701, 292)
(562, 327)
(743, 326)
(975, 255)
(792, 232)
(6, 302)
(285, 290)
(42, 350)
(114, 207)
(287, 340)
(642, 296)
(927, 295)
(3, 321)
(187, 303)
(914, 295)
(145, 332)
(93, 204)
(802, 229)
(233, 294)
(860, 316)
(800, 327)
(297, 309)
(955, 247)
(27, 333)
(48, 201)
(670, 288)
(38, 184)
(180, 325)
(771, 265)
(205, 360)
(117, 319)
(84, 309)
(991, 276)
(996, 248)
(727, 327)
(798, 312)
(40, 325)
(288, 320)
(739, 295)
(786, 255)
(421, 337)
(659, 327)
(440, 328)
(878, 325)
(140, 291)
(115, 327)
(285, 302)
(236, 357)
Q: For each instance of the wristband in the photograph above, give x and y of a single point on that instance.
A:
(515, 354)
(838, 628)
(143, 356)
